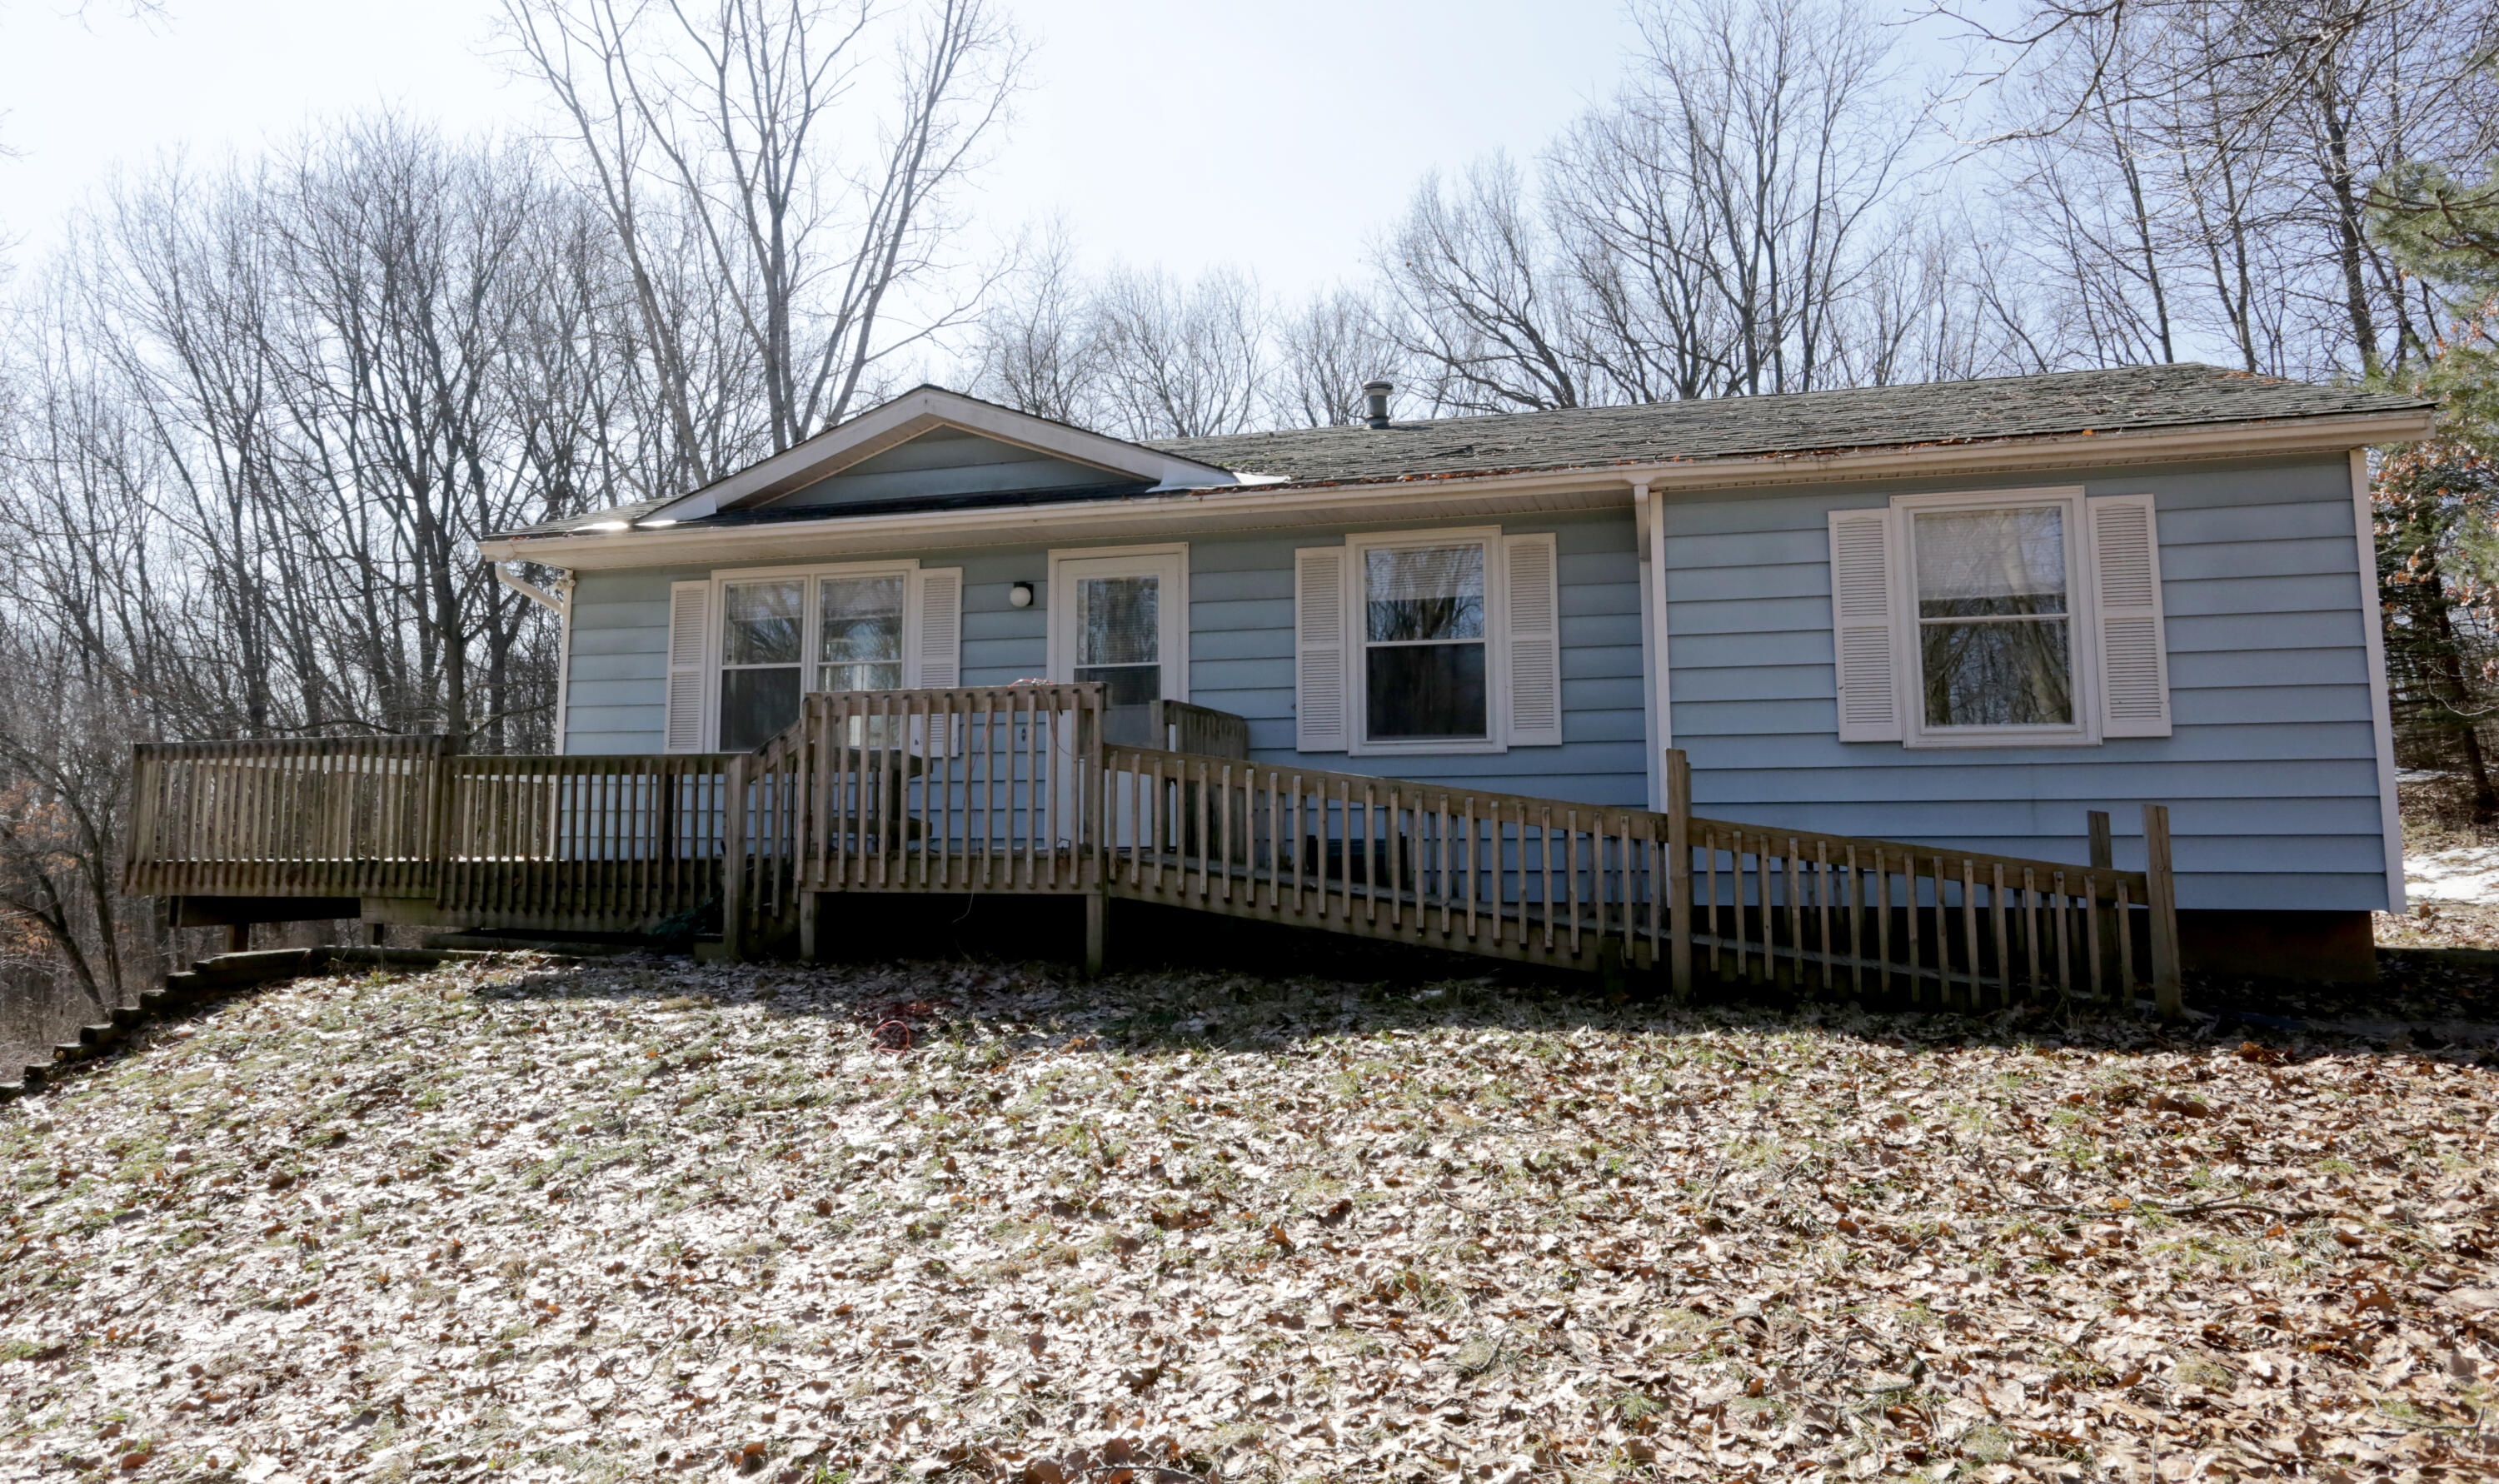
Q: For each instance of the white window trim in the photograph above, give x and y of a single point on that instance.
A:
(2082, 640)
(1173, 607)
(1357, 666)
(809, 625)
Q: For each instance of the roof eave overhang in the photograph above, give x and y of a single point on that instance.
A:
(1288, 506)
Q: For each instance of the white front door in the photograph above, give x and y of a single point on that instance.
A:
(1121, 617)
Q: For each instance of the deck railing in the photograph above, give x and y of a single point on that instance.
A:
(1012, 788)
(1581, 885)
(327, 817)
(583, 841)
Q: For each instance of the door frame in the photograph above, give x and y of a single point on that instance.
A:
(1168, 562)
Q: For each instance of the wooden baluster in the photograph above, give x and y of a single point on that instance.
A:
(1234, 858)
(2030, 926)
(1912, 951)
(1205, 833)
(1822, 908)
(1571, 844)
(2002, 944)
(2093, 966)
(1792, 868)
(1371, 853)
(1471, 860)
(1400, 843)
(1302, 847)
(2124, 921)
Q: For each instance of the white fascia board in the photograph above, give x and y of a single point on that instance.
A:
(920, 411)
(1252, 506)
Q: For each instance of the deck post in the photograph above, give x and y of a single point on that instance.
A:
(733, 859)
(2105, 858)
(2160, 895)
(810, 905)
(439, 808)
(1678, 871)
(1097, 909)
(238, 937)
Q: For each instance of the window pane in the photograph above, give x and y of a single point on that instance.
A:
(859, 677)
(2006, 673)
(1424, 690)
(1127, 690)
(1119, 621)
(1424, 593)
(1972, 562)
(860, 628)
(756, 705)
(1126, 685)
(760, 621)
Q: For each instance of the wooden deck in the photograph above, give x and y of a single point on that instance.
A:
(1017, 790)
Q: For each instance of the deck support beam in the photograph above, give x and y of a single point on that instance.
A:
(1097, 910)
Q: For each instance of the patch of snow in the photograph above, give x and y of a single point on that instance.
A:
(2468, 873)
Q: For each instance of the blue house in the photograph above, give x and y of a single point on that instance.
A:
(1964, 613)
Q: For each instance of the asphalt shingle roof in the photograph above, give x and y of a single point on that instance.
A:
(2127, 398)
(2121, 400)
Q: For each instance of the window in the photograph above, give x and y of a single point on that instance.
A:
(1425, 665)
(1994, 633)
(1428, 642)
(1118, 632)
(744, 647)
(858, 644)
(762, 628)
(1999, 619)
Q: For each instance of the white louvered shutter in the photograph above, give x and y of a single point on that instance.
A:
(2133, 656)
(939, 664)
(1318, 648)
(1534, 605)
(1863, 645)
(689, 663)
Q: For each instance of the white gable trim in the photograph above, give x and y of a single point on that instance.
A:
(922, 411)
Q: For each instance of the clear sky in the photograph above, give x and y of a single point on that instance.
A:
(1279, 135)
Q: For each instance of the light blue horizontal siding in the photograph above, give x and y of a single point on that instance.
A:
(2271, 774)
(1241, 654)
(1241, 660)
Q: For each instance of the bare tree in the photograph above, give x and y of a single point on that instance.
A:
(1037, 345)
(2239, 140)
(734, 130)
(1179, 362)
(1323, 356)
(1478, 296)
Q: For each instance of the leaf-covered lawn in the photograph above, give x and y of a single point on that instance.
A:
(635, 1220)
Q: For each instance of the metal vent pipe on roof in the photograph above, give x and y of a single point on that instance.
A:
(1375, 400)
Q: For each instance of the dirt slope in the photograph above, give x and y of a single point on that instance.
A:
(635, 1220)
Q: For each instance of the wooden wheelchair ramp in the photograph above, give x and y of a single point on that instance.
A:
(1018, 790)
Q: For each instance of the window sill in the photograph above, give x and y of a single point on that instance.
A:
(1435, 746)
(1955, 742)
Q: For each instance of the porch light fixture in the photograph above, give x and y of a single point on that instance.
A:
(1020, 595)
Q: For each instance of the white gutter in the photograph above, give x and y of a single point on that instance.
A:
(539, 595)
(1608, 486)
